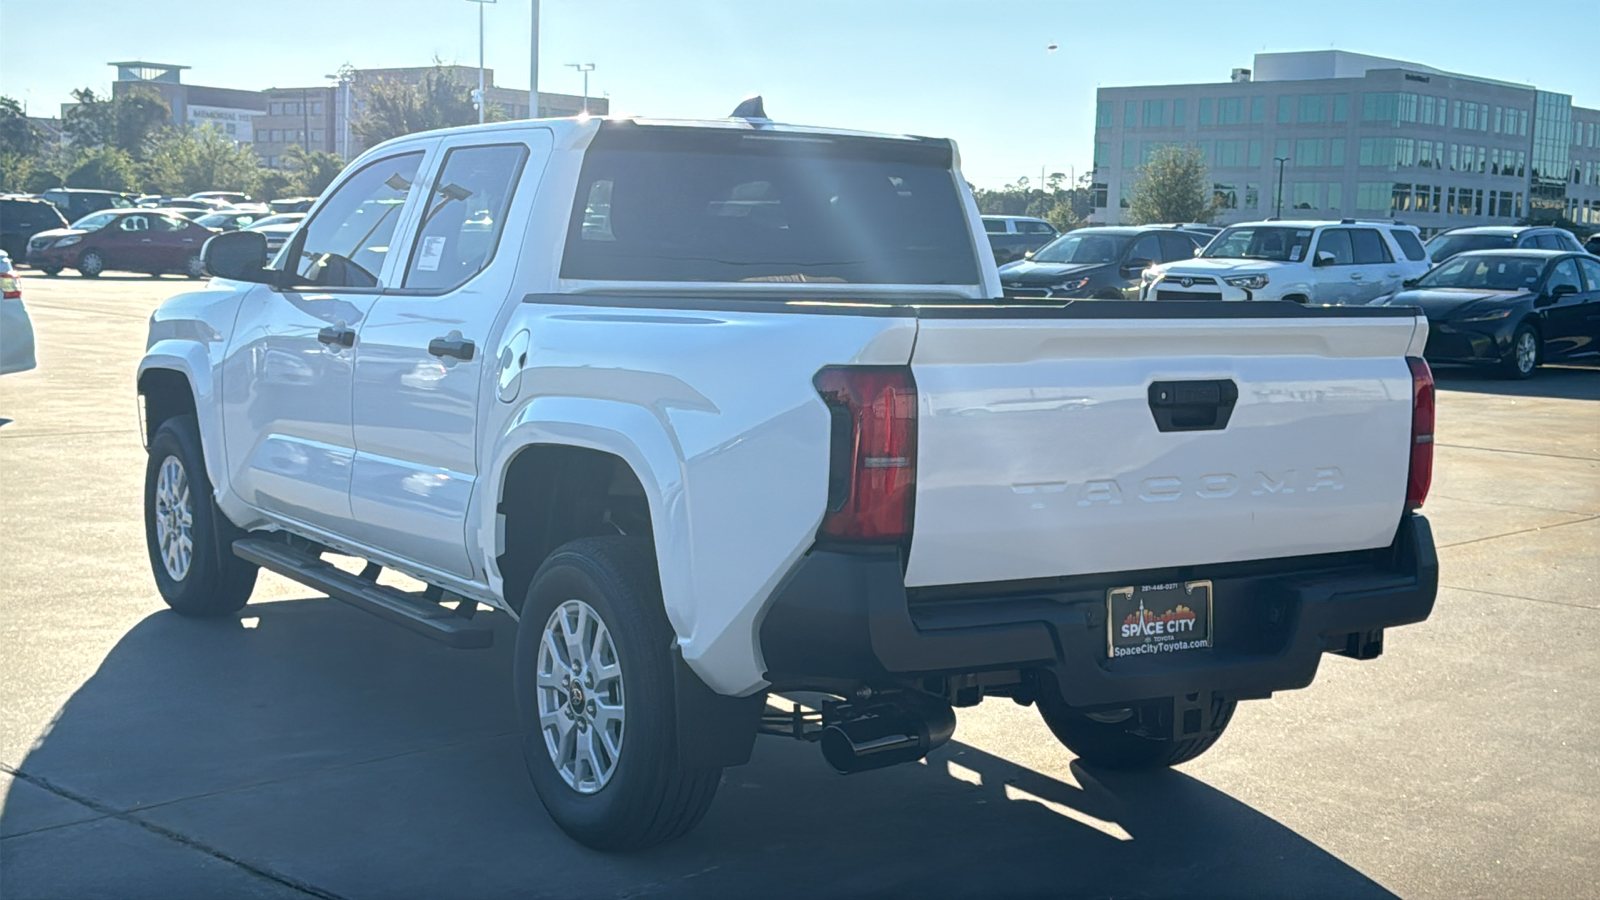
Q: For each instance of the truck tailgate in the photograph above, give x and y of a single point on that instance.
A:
(1039, 452)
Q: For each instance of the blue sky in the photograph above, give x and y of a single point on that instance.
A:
(977, 71)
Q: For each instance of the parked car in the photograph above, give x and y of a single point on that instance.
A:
(1322, 263)
(203, 204)
(1103, 263)
(16, 329)
(292, 204)
(1011, 237)
(1498, 237)
(75, 203)
(127, 240)
(557, 392)
(1513, 309)
(229, 220)
(23, 217)
(232, 198)
(277, 229)
(193, 215)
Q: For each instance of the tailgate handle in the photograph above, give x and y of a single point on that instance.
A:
(1193, 405)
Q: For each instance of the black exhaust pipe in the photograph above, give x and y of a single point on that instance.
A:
(902, 730)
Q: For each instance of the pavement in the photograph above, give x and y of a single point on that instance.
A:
(308, 749)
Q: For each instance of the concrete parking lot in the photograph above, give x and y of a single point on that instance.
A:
(306, 748)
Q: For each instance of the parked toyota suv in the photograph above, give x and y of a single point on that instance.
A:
(718, 409)
(1312, 262)
(1013, 237)
(1102, 263)
(1501, 237)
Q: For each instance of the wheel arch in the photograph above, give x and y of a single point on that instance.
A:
(174, 379)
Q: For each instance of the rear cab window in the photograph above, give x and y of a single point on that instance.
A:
(659, 203)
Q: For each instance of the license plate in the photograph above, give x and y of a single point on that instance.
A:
(1158, 618)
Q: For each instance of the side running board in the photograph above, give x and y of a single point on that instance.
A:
(419, 612)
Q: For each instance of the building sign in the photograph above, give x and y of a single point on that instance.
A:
(238, 124)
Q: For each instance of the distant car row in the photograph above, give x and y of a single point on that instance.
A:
(153, 241)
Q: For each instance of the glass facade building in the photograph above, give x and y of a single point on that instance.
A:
(1364, 136)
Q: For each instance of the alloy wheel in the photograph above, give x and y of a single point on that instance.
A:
(579, 682)
(174, 517)
(1527, 351)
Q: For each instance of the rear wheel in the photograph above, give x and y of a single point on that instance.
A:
(1114, 739)
(1523, 358)
(595, 697)
(189, 539)
(91, 264)
(194, 267)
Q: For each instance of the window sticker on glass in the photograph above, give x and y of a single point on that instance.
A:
(432, 253)
(1294, 253)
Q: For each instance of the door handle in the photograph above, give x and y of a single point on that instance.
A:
(146, 241)
(1355, 276)
(1193, 405)
(344, 337)
(459, 348)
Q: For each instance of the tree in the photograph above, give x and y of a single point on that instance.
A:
(17, 135)
(91, 121)
(104, 168)
(312, 172)
(138, 116)
(1174, 186)
(439, 100)
(200, 159)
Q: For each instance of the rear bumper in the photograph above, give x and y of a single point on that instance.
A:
(848, 618)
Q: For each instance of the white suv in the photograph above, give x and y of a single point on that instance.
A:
(1321, 263)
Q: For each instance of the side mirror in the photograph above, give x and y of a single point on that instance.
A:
(238, 255)
(1409, 283)
(1027, 254)
(1324, 258)
(1137, 264)
(1562, 290)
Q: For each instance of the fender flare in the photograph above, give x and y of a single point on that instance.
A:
(190, 360)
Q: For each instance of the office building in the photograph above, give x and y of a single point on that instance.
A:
(316, 117)
(1360, 136)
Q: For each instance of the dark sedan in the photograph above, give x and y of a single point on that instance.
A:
(1514, 309)
(128, 240)
(1098, 263)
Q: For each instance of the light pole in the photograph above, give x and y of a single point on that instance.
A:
(1280, 160)
(342, 79)
(481, 99)
(533, 66)
(585, 68)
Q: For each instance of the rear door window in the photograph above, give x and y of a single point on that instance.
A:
(1337, 242)
(464, 216)
(1409, 245)
(1368, 247)
(1176, 246)
(711, 205)
(1148, 246)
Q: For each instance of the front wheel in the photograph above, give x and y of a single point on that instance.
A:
(194, 266)
(1114, 739)
(595, 698)
(1523, 358)
(189, 539)
(91, 264)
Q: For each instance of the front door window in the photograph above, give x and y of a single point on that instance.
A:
(347, 241)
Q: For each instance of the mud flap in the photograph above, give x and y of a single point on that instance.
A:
(713, 731)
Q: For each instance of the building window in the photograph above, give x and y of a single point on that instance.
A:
(1130, 154)
(1335, 197)
(1378, 108)
(1373, 196)
(275, 109)
(1180, 113)
(1102, 153)
(1130, 114)
(1281, 148)
(1230, 111)
(1097, 195)
(1208, 112)
(1313, 108)
(1336, 152)
(1400, 198)
(1455, 114)
(1252, 195)
(1285, 110)
(1341, 107)
(316, 107)
(1102, 115)
(1255, 155)
(316, 135)
(1307, 152)
(1155, 113)
(1305, 196)
(1522, 122)
(1427, 110)
(1258, 110)
(272, 162)
(1225, 196)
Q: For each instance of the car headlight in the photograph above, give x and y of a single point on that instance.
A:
(1148, 276)
(1248, 282)
(1493, 316)
(1075, 284)
(69, 240)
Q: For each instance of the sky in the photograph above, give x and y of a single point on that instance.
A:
(978, 71)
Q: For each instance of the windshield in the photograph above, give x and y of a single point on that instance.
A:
(214, 220)
(1492, 273)
(94, 222)
(1081, 247)
(1273, 242)
(283, 219)
(1445, 246)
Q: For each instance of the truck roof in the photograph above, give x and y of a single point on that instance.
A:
(568, 127)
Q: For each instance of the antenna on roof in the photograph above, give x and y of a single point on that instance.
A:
(749, 108)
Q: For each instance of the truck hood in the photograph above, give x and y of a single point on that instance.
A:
(1452, 303)
(1220, 267)
(1027, 272)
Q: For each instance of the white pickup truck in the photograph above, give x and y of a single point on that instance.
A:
(717, 409)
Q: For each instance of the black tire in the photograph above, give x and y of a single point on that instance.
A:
(1108, 744)
(194, 267)
(50, 271)
(1518, 365)
(215, 582)
(91, 264)
(650, 797)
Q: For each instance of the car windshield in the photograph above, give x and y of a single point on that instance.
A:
(1084, 247)
(1492, 273)
(1447, 245)
(94, 222)
(282, 219)
(214, 220)
(1272, 242)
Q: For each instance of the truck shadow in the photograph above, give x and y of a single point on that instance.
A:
(315, 743)
(1563, 381)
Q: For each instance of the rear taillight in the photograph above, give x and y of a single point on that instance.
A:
(10, 287)
(873, 476)
(1421, 474)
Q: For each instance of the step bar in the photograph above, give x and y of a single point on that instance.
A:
(418, 611)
